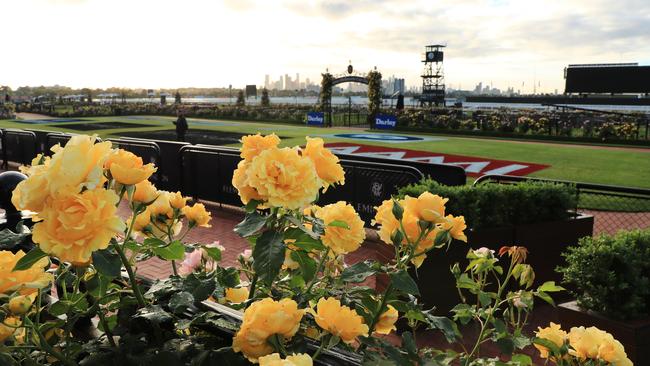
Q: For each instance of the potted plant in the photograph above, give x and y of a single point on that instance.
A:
(610, 278)
(538, 216)
(292, 300)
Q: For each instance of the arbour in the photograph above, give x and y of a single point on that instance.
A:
(372, 79)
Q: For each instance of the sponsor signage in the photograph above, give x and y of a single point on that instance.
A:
(474, 166)
(385, 122)
(315, 118)
(383, 137)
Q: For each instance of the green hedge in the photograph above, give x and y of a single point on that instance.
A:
(498, 205)
(611, 274)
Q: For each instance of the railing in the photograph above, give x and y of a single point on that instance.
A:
(614, 207)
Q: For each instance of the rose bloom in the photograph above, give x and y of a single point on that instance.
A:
(456, 226)
(341, 240)
(585, 342)
(76, 225)
(253, 145)
(387, 222)
(274, 359)
(552, 333)
(427, 207)
(145, 192)
(240, 181)
(613, 352)
(127, 168)
(197, 215)
(161, 206)
(263, 319)
(236, 295)
(339, 320)
(327, 164)
(8, 327)
(77, 165)
(284, 178)
(386, 322)
(24, 282)
(176, 200)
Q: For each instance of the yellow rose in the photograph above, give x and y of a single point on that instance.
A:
(161, 206)
(145, 192)
(9, 327)
(253, 145)
(341, 240)
(237, 295)
(76, 225)
(197, 215)
(339, 320)
(456, 226)
(240, 181)
(25, 282)
(613, 352)
(386, 322)
(20, 304)
(586, 342)
(142, 221)
(327, 164)
(387, 222)
(283, 178)
(551, 333)
(31, 193)
(80, 164)
(427, 207)
(263, 319)
(274, 359)
(176, 200)
(127, 168)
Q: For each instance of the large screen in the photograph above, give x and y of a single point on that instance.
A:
(609, 79)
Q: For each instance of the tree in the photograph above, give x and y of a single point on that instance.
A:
(326, 96)
(374, 94)
(241, 101)
(178, 97)
(265, 98)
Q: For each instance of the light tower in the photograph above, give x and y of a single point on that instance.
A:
(433, 77)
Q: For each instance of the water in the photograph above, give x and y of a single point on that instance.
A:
(388, 103)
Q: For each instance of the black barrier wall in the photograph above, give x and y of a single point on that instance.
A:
(205, 171)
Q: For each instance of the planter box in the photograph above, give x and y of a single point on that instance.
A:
(633, 334)
(545, 241)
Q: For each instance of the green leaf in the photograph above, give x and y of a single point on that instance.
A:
(174, 251)
(546, 297)
(506, 345)
(308, 265)
(403, 282)
(398, 211)
(339, 223)
(522, 360)
(180, 302)
(358, 272)
(484, 298)
(153, 243)
(29, 259)
(447, 326)
(550, 286)
(213, 252)
(268, 255)
(107, 263)
(252, 205)
(555, 350)
(464, 281)
(252, 223)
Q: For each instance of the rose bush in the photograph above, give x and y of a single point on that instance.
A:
(293, 299)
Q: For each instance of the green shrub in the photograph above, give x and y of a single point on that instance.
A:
(611, 274)
(499, 205)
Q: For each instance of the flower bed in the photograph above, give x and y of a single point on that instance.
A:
(299, 301)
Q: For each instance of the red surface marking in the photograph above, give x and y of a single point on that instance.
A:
(474, 167)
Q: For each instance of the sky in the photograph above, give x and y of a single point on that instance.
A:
(211, 43)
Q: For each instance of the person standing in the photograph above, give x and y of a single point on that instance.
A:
(181, 126)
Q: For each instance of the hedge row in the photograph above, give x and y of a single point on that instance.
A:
(500, 205)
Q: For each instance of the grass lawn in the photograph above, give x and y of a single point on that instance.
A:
(627, 167)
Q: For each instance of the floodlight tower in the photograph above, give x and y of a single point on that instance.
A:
(433, 77)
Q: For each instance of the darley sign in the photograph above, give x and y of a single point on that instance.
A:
(385, 121)
(315, 118)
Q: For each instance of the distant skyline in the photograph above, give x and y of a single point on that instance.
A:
(208, 43)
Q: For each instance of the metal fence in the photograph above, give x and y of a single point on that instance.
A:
(614, 207)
